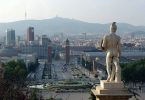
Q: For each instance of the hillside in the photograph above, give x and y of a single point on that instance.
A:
(64, 25)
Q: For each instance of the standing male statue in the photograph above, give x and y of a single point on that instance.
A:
(111, 44)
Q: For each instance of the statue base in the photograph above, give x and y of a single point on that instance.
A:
(111, 91)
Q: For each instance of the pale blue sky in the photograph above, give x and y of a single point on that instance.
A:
(96, 11)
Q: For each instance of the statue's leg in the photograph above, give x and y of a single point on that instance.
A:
(118, 70)
(112, 72)
(108, 66)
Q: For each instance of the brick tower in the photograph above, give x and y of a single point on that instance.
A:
(49, 52)
(67, 52)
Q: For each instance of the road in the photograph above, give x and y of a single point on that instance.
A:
(61, 72)
(39, 71)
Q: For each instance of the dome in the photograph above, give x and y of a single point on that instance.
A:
(8, 52)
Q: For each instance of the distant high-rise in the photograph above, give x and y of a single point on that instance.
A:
(10, 37)
(67, 52)
(17, 40)
(30, 34)
(44, 40)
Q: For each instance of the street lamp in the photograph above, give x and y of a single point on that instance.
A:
(97, 59)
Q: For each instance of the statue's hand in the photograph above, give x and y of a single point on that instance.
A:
(102, 48)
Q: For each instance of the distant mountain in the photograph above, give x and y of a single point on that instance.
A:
(64, 25)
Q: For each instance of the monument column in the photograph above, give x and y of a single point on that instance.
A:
(67, 52)
(49, 61)
(49, 52)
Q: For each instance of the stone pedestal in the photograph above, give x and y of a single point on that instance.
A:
(111, 91)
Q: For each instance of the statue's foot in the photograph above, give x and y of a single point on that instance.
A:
(111, 79)
(108, 79)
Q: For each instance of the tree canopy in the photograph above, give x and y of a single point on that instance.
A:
(15, 71)
(134, 71)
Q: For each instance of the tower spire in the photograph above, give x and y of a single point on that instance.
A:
(25, 15)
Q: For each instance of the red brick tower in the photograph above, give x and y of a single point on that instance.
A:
(49, 52)
(67, 52)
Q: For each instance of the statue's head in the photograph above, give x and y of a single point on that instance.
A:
(113, 27)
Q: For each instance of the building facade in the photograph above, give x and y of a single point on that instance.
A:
(10, 37)
(30, 34)
(17, 40)
(40, 50)
(44, 40)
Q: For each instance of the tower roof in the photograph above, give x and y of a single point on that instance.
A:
(67, 40)
(49, 40)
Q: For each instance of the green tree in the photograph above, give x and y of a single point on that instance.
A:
(34, 95)
(134, 72)
(15, 71)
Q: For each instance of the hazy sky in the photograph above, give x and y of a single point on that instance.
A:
(96, 11)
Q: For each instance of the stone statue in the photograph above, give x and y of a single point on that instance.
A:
(112, 46)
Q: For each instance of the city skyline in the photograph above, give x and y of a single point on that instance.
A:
(94, 11)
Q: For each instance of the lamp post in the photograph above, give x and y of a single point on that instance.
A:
(96, 72)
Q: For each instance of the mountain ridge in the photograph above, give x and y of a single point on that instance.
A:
(58, 25)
